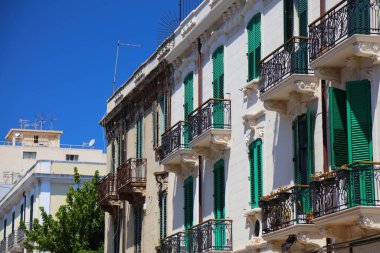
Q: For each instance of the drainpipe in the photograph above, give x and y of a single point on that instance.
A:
(322, 7)
(200, 160)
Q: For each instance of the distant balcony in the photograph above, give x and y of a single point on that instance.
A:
(287, 70)
(21, 235)
(348, 29)
(131, 179)
(3, 246)
(107, 195)
(347, 196)
(177, 243)
(211, 236)
(13, 245)
(210, 125)
(175, 152)
(214, 235)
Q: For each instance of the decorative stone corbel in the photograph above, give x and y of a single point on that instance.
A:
(279, 106)
(188, 160)
(369, 50)
(311, 238)
(370, 222)
(310, 88)
(253, 215)
(250, 87)
(162, 180)
(220, 142)
(331, 74)
(251, 119)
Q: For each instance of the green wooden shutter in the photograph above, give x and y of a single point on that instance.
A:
(163, 214)
(189, 202)
(338, 128)
(254, 47)
(288, 19)
(139, 138)
(256, 176)
(358, 12)
(359, 125)
(310, 144)
(296, 160)
(218, 87)
(219, 205)
(189, 95)
(302, 17)
(138, 228)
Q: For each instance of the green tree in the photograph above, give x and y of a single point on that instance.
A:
(78, 226)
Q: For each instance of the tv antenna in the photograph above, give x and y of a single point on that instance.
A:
(118, 44)
(40, 120)
(166, 26)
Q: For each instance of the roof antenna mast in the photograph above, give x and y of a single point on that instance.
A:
(118, 44)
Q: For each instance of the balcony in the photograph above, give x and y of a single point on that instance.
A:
(285, 73)
(345, 31)
(347, 197)
(214, 235)
(131, 179)
(175, 152)
(287, 213)
(211, 236)
(210, 126)
(107, 195)
(13, 245)
(3, 246)
(177, 243)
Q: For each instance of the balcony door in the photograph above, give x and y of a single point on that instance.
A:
(219, 206)
(218, 88)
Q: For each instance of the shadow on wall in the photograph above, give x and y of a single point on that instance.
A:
(282, 152)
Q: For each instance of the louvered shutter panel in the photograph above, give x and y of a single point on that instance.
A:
(359, 125)
(302, 17)
(310, 144)
(218, 87)
(254, 47)
(296, 160)
(138, 227)
(288, 19)
(256, 182)
(163, 214)
(358, 12)
(188, 106)
(338, 127)
(219, 204)
(188, 185)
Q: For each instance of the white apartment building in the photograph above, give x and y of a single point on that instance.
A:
(23, 147)
(273, 144)
(45, 185)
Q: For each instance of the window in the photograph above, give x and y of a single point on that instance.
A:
(138, 227)
(22, 212)
(254, 47)
(139, 137)
(163, 214)
(35, 139)
(29, 155)
(13, 221)
(72, 157)
(189, 202)
(31, 212)
(5, 228)
(256, 174)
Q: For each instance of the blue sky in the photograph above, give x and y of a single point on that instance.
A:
(57, 57)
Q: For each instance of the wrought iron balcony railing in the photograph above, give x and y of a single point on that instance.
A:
(107, 187)
(290, 58)
(357, 185)
(3, 246)
(212, 235)
(177, 243)
(342, 21)
(177, 137)
(133, 171)
(286, 208)
(11, 240)
(215, 113)
(21, 235)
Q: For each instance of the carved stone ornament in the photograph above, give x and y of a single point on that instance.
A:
(253, 215)
(251, 86)
(331, 74)
(162, 180)
(276, 105)
(212, 3)
(220, 142)
(139, 76)
(311, 238)
(187, 28)
(368, 49)
(370, 222)
(232, 19)
(310, 88)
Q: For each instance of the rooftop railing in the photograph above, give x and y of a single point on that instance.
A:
(345, 19)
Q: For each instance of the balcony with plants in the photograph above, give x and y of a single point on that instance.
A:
(347, 196)
(131, 179)
(107, 195)
(350, 28)
(210, 126)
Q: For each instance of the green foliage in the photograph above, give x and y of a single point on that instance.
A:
(78, 225)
